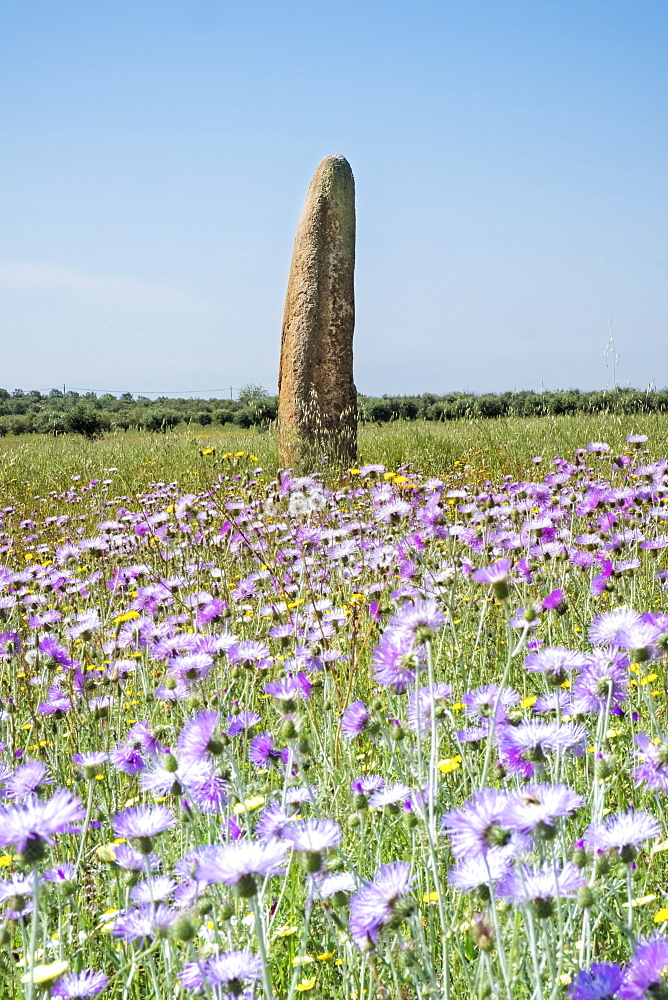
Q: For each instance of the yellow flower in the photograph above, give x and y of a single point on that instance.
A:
(529, 702)
(326, 956)
(306, 984)
(449, 764)
(285, 932)
(45, 973)
(251, 804)
(208, 451)
(254, 458)
(6, 861)
(661, 916)
(239, 454)
(430, 897)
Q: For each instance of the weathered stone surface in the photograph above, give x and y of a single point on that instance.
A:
(317, 406)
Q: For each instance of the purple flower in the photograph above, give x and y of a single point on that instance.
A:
(423, 706)
(262, 750)
(479, 704)
(603, 682)
(479, 872)
(383, 902)
(79, 985)
(131, 860)
(239, 723)
(496, 575)
(311, 838)
(479, 825)
(396, 660)
(536, 807)
(145, 923)
(646, 975)
(237, 863)
(227, 971)
(34, 823)
(624, 832)
(555, 661)
(289, 690)
(142, 823)
(160, 887)
(389, 796)
(272, 823)
(354, 720)
(419, 619)
(196, 737)
(63, 875)
(540, 885)
(89, 764)
(600, 981)
(653, 769)
(533, 738)
(606, 628)
(247, 652)
(25, 780)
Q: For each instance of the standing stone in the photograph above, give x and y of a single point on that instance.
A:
(317, 401)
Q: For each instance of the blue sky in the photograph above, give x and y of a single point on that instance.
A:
(509, 158)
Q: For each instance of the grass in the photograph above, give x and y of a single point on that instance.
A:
(146, 578)
(490, 449)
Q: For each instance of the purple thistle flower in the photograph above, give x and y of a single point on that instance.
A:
(603, 682)
(262, 750)
(247, 652)
(396, 660)
(479, 872)
(54, 652)
(606, 628)
(389, 796)
(84, 625)
(25, 780)
(272, 823)
(600, 981)
(383, 902)
(330, 885)
(623, 832)
(496, 575)
(132, 860)
(311, 838)
(423, 706)
(646, 975)
(289, 690)
(89, 764)
(62, 875)
(142, 823)
(555, 661)
(145, 923)
(56, 704)
(653, 769)
(540, 885)
(533, 738)
(354, 720)
(160, 887)
(79, 985)
(33, 823)
(418, 619)
(538, 806)
(239, 723)
(479, 825)
(479, 704)
(237, 863)
(17, 889)
(226, 971)
(196, 737)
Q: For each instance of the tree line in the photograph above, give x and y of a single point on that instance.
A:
(58, 412)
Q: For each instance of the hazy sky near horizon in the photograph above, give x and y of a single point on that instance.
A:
(510, 166)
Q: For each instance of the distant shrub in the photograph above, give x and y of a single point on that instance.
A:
(83, 419)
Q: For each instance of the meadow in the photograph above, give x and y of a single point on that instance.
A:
(391, 731)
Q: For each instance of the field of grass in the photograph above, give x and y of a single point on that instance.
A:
(31, 464)
(394, 732)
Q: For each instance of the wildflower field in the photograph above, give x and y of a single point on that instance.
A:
(393, 731)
